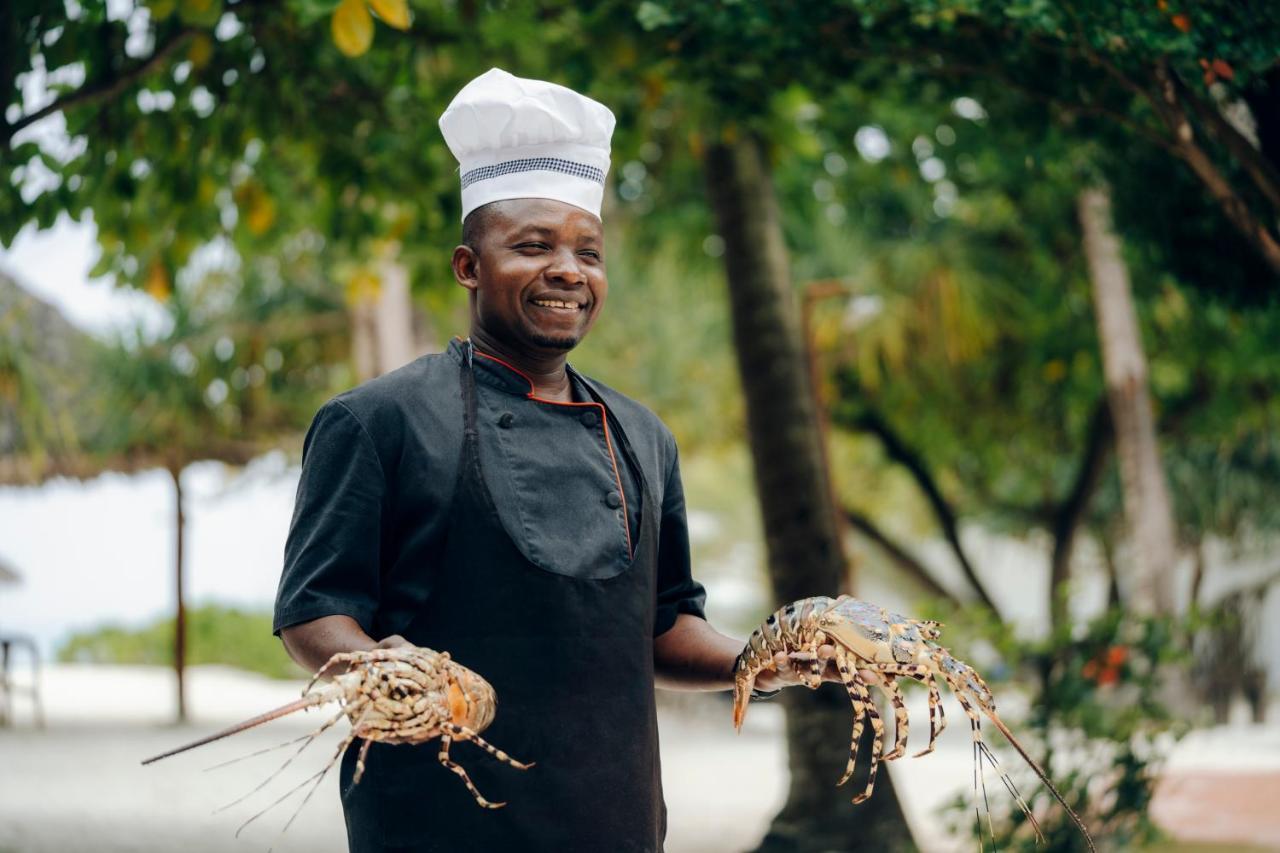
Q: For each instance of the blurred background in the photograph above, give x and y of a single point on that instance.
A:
(967, 307)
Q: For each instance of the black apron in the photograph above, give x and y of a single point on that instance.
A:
(571, 661)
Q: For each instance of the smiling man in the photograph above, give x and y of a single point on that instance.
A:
(492, 502)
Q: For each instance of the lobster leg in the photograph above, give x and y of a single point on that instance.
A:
(889, 686)
(364, 753)
(936, 725)
(443, 758)
(861, 699)
(888, 672)
(877, 726)
(463, 733)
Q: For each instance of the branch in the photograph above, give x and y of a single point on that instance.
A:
(898, 554)
(1072, 510)
(1260, 170)
(897, 450)
(1233, 206)
(107, 89)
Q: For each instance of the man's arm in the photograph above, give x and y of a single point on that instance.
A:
(312, 643)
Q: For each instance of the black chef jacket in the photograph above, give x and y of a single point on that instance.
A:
(372, 521)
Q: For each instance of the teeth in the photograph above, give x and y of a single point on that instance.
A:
(554, 303)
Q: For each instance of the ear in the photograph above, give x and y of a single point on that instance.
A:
(466, 267)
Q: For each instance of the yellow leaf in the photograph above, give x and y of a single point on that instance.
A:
(352, 27)
(161, 9)
(158, 282)
(363, 287)
(201, 50)
(262, 213)
(394, 13)
(206, 189)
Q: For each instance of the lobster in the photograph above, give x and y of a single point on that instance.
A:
(867, 637)
(407, 694)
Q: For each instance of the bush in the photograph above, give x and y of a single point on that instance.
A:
(1097, 725)
(215, 634)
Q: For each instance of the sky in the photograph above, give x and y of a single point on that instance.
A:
(97, 552)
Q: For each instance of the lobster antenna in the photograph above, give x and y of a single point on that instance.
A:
(1012, 789)
(982, 775)
(1075, 818)
(307, 739)
(282, 711)
(240, 758)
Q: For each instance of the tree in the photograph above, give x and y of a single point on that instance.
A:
(805, 554)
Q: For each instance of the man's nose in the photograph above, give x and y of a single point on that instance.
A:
(566, 268)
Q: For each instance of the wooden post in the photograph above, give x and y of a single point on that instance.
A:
(180, 613)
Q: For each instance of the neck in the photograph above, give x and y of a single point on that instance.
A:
(546, 369)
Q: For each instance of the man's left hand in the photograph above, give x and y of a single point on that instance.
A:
(791, 670)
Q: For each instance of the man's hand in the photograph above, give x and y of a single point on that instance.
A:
(792, 670)
(694, 656)
(313, 643)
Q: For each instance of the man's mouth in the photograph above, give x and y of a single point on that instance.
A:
(557, 304)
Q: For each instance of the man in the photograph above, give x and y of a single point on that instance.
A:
(491, 502)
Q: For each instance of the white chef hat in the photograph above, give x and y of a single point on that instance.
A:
(518, 138)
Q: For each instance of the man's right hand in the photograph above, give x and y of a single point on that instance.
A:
(313, 643)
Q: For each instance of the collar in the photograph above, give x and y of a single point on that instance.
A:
(500, 375)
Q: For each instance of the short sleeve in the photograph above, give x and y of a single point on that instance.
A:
(678, 592)
(332, 554)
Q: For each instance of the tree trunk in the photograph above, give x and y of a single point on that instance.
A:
(1070, 513)
(805, 556)
(1146, 495)
(180, 613)
(386, 330)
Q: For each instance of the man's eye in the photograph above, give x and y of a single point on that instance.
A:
(590, 253)
(532, 247)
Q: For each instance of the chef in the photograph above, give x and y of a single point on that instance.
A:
(492, 502)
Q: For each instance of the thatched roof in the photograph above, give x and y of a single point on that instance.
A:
(63, 415)
(43, 380)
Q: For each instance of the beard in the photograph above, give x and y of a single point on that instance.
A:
(565, 343)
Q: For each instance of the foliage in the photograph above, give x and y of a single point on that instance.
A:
(664, 338)
(242, 364)
(1133, 81)
(1097, 724)
(216, 634)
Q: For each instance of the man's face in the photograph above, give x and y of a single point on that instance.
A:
(537, 273)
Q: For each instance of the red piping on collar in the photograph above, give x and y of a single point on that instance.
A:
(604, 419)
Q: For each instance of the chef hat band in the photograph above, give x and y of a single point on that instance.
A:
(518, 138)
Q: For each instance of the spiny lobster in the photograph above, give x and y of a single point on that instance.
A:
(868, 637)
(401, 695)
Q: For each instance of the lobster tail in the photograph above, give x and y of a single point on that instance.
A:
(743, 682)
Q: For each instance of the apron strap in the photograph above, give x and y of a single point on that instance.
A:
(467, 377)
